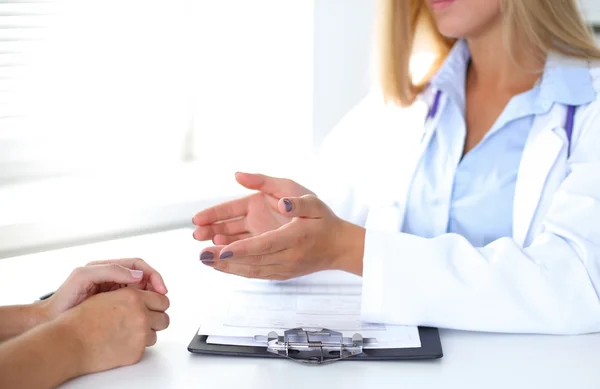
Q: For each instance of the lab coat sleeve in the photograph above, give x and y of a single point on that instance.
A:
(551, 286)
(347, 181)
(338, 163)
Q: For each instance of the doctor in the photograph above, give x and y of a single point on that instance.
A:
(469, 200)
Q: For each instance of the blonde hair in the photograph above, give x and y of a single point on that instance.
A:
(544, 25)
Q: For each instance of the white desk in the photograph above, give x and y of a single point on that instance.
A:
(471, 360)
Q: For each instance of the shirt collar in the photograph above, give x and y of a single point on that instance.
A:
(451, 79)
(565, 80)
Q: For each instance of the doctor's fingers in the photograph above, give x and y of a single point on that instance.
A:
(274, 186)
(270, 272)
(287, 258)
(222, 212)
(229, 239)
(233, 227)
(211, 254)
(288, 236)
(308, 206)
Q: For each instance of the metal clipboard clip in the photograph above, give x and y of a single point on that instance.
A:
(314, 346)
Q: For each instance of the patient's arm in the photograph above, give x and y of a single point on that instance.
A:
(15, 320)
(42, 357)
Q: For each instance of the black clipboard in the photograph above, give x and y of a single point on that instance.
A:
(431, 348)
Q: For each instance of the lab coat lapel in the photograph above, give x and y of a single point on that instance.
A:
(541, 151)
(404, 145)
(429, 130)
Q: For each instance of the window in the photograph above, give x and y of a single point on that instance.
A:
(253, 82)
(99, 86)
(591, 11)
(119, 116)
(91, 86)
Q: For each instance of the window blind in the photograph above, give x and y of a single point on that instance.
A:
(23, 24)
(92, 86)
(254, 83)
(591, 11)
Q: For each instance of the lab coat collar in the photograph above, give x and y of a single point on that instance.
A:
(567, 81)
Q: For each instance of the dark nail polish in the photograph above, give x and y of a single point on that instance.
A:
(207, 256)
(207, 262)
(288, 205)
(226, 254)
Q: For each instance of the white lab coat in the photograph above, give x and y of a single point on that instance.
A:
(543, 279)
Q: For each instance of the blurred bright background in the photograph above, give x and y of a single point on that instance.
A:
(119, 117)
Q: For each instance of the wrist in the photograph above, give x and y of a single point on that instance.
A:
(40, 313)
(66, 332)
(34, 315)
(55, 350)
(18, 319)
(352, 249)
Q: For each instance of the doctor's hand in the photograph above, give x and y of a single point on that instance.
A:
(102, 276)
(314, 239)
(251, 215)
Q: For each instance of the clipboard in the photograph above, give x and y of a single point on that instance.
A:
(322, 346)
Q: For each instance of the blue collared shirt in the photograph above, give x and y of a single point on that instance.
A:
(474, 194)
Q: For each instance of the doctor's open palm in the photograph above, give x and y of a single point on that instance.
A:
(249, 216)
(282, 231)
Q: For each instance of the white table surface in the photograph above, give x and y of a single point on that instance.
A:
(471, 360)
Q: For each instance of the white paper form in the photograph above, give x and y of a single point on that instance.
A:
(258, 308)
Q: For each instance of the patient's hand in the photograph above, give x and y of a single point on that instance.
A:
(113, 329)
(102, 276)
